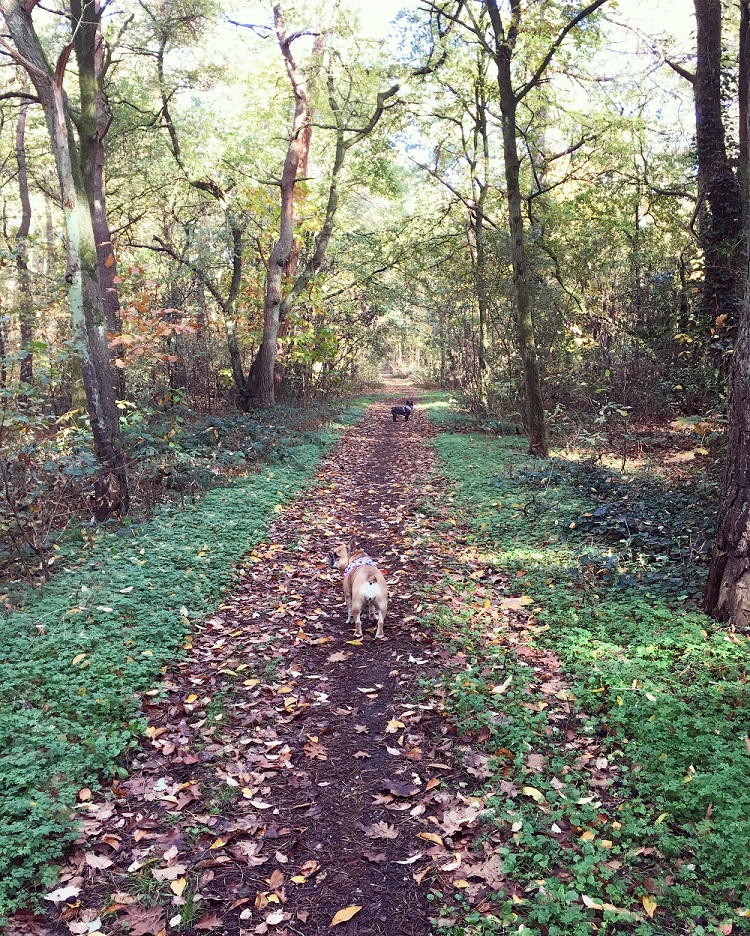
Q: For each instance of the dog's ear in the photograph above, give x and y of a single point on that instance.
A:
(351, 545)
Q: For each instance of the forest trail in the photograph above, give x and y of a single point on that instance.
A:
(290, 772)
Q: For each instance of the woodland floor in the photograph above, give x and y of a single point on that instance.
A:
(291, 772)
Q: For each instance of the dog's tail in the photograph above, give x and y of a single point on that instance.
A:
(370, 589)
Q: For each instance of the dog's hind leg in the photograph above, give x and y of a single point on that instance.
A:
(382, 606)
(356, 613)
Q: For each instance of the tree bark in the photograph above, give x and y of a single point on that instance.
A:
(721, 232)
(25, 305)
(93, 124)
(84, 293)
(727, 593)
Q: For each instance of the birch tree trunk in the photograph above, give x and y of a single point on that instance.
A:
(82, 276)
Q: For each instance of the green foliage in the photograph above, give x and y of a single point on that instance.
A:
(657, 689)
(75, 657)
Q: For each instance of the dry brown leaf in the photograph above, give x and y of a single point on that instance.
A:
(98, 861)
(430, 837)
(343, 915)
(381, 830)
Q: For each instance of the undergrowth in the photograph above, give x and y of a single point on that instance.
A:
(658, 691)
(74, 658)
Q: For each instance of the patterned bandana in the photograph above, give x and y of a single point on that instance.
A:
(362, 561)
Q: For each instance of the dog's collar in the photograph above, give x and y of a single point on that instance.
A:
(362, 561)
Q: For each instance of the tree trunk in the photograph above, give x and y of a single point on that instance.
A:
(93, 124)
(727, 593)
(721, 233)
(25, 305)
(84, 295)
(260, 381)
(535, 419)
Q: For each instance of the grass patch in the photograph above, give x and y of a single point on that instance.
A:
(658, 694)
(74, 658)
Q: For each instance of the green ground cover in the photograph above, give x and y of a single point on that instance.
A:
(73, 658)
(659, 693)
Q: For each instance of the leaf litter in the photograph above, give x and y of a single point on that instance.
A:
(279, 750)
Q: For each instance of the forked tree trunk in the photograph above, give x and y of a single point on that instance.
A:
(260, 381)
(84, 295)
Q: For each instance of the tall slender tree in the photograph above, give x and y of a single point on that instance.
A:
(82, 276)
(503, 42)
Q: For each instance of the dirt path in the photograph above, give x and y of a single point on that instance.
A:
(292, 772)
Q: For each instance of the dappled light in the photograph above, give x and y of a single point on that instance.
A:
(374, 444)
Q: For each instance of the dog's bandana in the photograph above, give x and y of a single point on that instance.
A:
(362, 561)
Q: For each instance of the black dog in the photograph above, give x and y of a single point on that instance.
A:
(404, 410)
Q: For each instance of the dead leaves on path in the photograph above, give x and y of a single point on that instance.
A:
(285, 763)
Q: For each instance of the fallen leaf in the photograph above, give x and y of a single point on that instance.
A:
(169, 874)
(375, 857)
(408, 861)
(399, 787)
(343, 915)
(535, 794)
(98, 861)
(208, 921)
(591, 903)
(62, 893)
(381, 830)
(649, 905)
(144, 921)
(430, 837)
(177, 887)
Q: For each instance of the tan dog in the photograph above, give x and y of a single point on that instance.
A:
(363, 585)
